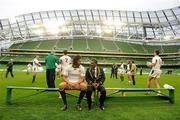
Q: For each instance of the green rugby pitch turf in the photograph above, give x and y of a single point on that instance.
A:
(46, 106)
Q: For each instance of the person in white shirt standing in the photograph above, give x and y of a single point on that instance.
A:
(122, 71)
(64, 61)
(128, 71)
(155, 71)
(35, 67)
(29, 68)
(73, 78)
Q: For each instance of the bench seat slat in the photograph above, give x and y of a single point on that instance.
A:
(137, 89)
(55, 89)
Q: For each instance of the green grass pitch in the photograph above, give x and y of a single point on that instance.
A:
(46, 106)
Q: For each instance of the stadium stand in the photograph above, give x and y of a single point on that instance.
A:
(94, 45)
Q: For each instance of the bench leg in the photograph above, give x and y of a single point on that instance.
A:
(96, 97)
(171, 96)
(8, 96)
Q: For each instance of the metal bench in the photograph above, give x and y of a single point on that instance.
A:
(38, 89)
(170, 96)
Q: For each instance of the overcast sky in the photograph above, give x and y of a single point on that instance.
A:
(10, 8)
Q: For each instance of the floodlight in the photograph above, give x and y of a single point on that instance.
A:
(108, 31)
(108, 22)
(64, 30)
(50, 24)
(98, 31)
(53, 31)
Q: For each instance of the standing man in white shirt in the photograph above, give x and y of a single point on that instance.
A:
(64, 61)
(29, 68)
(35, 67)
(155, 71)
(122, 71)
(73, 78)
(128, 71)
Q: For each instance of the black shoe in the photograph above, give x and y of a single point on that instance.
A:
(101, 107)
(78, 107)
(64, 108)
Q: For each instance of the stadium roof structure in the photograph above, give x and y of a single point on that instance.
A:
(112, 24)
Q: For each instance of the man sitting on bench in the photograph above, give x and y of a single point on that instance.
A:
(73, 78)
(95, 78)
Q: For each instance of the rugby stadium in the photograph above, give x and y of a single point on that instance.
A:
(110, 36)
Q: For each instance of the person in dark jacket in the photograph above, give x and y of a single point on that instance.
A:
(115, 70)
(10, 68)
(112, 71)
(95, 78)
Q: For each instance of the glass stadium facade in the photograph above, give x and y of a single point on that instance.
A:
(146, 25)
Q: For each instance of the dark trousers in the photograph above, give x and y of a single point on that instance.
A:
(140, 72)
(81, 95)
(133, 80)
(112, 75)
(90, 89)
(50, 78)
(7, 72)
(115, 73)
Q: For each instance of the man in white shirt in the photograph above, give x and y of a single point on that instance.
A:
(58, 69)
(35, 67)
(29, 68)
(155, 71)
(65, 61)
(129, 72)
(73, 78)
(121, 70)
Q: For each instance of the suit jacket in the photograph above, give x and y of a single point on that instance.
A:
(133, 69)
(100, 77)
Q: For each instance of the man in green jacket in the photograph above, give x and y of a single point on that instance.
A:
(50, 62)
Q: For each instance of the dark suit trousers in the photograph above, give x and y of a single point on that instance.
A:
(50, 78)
(102, 90)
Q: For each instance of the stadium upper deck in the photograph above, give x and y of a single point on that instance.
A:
(149, 25)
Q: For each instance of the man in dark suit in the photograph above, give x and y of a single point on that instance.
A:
(95, 78)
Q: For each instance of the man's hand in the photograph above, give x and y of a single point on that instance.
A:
(95, 85)
(71, 84)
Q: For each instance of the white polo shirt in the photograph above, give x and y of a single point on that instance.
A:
(74, 74)
(157, 61)
(65, 61)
